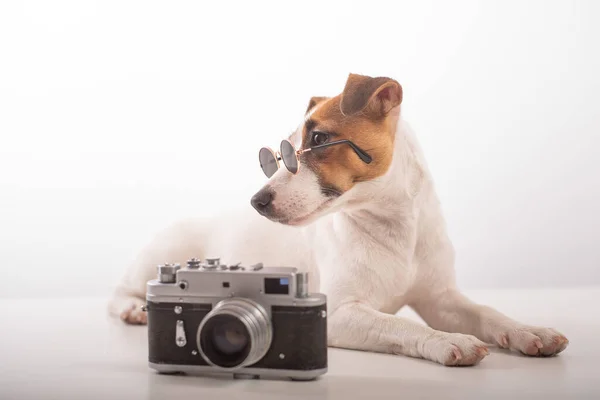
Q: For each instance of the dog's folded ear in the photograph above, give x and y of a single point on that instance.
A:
(373, 96)
(313, 102)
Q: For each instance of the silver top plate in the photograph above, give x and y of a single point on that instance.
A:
(266, 285)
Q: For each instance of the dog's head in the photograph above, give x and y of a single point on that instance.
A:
(366, 113)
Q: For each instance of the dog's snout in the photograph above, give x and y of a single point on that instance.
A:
(262, 201)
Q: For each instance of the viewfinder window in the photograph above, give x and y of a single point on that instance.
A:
(277, 286)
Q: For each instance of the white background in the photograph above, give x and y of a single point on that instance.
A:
(117, 117)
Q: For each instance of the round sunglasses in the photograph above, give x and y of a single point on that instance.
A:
(269, 160)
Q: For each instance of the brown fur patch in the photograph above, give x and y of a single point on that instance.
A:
(314, 101)
(371, 126)
(374, 96)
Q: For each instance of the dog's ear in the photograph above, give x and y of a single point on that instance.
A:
(313, 102)
(374, 96)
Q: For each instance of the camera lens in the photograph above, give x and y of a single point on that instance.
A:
(225, 340)
(236, 333)
(231, 336)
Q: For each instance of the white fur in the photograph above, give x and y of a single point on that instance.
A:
(381, 246)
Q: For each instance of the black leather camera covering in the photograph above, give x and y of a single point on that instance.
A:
(300, 333)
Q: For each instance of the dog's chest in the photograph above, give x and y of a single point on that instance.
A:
(354, 262)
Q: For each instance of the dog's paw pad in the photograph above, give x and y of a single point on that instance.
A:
(533, 341)
(134, 315)
(455, 349)
(454, 356)
(503, 341)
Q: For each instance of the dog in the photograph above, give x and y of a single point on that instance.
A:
(371, 235)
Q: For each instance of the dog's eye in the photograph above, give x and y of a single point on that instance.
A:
(318, 138)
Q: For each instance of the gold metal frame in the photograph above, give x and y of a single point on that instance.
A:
(297, 153)
(278, 156)
(363, 155)
(274, 154)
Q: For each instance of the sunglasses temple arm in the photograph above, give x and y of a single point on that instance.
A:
(361, 153)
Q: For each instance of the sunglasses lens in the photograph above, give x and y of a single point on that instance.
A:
(288, 153)
(268, 163)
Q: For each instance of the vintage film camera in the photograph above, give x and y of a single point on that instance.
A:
(249, 321)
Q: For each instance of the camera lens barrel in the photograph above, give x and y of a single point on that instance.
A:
(258, 330)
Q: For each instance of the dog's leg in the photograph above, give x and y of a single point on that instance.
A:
(129, 295)
(357, 326)
(451, 311)
(176, 244)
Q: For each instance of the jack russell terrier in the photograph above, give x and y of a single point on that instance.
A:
(355, 206)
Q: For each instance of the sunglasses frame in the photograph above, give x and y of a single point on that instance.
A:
(363, 155)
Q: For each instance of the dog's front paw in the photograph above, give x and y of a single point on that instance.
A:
(532, 341)
(134, 314)
(129, 309)
(455, 349)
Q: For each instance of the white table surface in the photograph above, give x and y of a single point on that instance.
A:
(70, 349)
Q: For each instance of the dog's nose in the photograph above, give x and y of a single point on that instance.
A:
(262, 201)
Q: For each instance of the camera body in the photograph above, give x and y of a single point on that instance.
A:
(249, 321)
